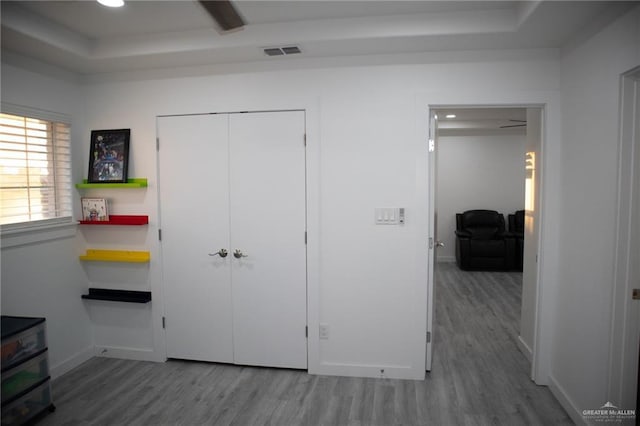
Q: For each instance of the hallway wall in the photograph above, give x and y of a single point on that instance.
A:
(590, 92)
(477, 172)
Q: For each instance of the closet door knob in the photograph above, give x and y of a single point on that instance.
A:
(222, 253)
(238, 254)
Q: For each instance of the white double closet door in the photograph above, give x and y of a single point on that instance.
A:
(234, 182)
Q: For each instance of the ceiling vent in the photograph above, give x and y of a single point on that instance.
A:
(281, 51)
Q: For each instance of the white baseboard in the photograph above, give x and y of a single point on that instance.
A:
(71, 363)
(104, 351)
(125, 353)
(565, 401)
(446, 259)
(525, 349)
(135, 354)
(372, 371)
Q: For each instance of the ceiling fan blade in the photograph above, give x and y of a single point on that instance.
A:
(224, 13)
(524, 124)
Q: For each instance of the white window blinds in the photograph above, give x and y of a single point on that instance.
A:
(35, 169)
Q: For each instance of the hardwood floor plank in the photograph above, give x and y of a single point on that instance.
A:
(362, 409)
(384, 403)
(479, 377)
(405, 403)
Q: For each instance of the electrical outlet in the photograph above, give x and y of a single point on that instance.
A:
(324, 331)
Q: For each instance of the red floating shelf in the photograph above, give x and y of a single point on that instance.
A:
(119, 220)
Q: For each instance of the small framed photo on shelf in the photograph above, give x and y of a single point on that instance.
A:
(109, 156)
(95, 210)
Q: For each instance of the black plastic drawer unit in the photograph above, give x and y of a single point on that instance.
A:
(26, 387)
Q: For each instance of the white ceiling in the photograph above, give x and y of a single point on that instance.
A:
(87, 38)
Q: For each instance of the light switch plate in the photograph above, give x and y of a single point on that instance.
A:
(389, 215)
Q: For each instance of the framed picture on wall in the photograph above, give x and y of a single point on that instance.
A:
(109, 156)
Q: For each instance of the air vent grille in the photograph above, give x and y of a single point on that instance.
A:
(281, 51)
(273, 51)
(290, 50)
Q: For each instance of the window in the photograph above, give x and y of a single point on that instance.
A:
(35, 170)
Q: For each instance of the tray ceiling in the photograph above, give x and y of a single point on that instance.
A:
(85, 37)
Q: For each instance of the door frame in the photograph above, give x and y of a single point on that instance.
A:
(547, 248)
(432, 211)
(621, 362)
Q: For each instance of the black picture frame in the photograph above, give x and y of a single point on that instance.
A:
(109, 156)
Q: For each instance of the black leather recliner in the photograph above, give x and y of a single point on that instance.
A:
(516, 228)
(482, 243)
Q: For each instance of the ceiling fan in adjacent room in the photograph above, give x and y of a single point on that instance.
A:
(522, 123)
(224, 13)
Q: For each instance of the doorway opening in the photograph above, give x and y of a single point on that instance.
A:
(488, 158)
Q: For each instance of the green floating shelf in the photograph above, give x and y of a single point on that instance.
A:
(131, 183)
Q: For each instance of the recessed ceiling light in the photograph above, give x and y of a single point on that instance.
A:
(450, 116)
(112, 3)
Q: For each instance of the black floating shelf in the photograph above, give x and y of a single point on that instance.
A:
(118, 295)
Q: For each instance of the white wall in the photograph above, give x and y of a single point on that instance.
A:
(46, 279)
(590, 91)
(366, 282)
(477, 172)
(358, 160)
(366, 148)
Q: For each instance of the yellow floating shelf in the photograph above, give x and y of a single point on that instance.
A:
(116, 256)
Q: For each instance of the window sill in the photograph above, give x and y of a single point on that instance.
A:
(36, 234)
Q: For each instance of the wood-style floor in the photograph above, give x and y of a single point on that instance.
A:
(479, 377)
